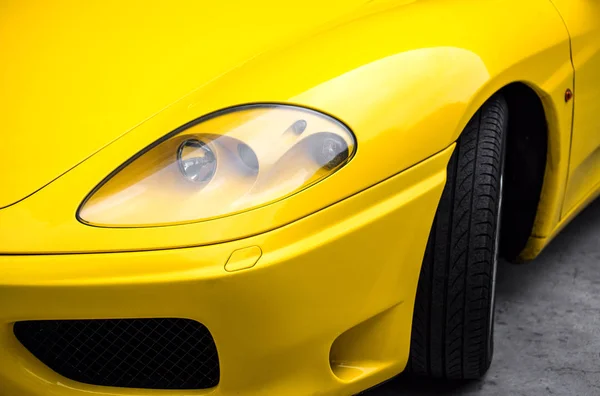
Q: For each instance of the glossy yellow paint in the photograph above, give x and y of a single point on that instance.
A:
(275, 323)
(583, 21)
(404, 99)
(89, 85)
(82, 74)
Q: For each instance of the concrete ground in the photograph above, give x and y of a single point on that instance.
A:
(547, 324)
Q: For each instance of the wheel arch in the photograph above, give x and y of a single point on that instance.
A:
(525, 167)
(538, 147)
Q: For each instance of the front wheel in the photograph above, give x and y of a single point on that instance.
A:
(453, 322)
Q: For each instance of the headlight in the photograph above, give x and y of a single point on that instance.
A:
(225, 163)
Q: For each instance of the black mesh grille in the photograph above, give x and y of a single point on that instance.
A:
(131, 353)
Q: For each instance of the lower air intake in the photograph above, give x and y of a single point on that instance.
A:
(130, 353)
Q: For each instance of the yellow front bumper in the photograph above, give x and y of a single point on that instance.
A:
(327, 308)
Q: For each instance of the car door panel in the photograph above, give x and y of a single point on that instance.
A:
(582, 18)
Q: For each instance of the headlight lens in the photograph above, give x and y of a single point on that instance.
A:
(222, 164)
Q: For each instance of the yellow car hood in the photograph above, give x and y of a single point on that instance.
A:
(77, 75)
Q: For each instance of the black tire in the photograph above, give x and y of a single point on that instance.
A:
(453, 323)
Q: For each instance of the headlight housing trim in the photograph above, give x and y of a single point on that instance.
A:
(297, 129)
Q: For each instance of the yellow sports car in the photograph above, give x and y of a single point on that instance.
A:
(279, 197)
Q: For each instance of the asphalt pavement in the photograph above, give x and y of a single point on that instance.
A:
(547, 324)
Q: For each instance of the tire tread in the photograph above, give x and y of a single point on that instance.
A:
(451, 316)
